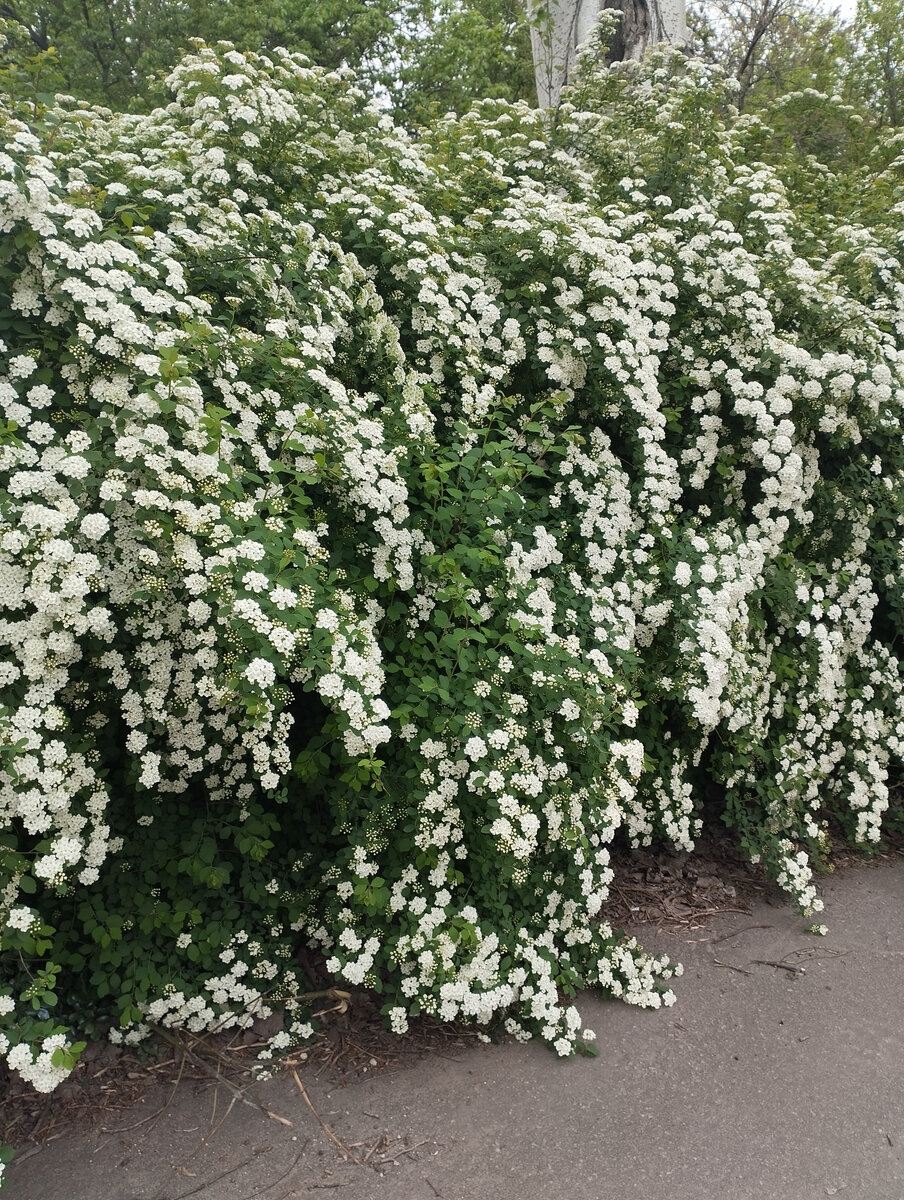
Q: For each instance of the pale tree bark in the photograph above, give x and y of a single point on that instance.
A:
(559, 27)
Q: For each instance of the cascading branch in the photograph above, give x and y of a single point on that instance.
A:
(387, 524)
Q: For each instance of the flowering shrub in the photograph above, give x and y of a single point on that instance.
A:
(387, 525)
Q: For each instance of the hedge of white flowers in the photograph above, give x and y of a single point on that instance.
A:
(387, 525)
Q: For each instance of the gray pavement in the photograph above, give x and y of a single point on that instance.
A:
(762, 1083)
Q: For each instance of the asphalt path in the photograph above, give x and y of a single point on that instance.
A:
(778, 1075)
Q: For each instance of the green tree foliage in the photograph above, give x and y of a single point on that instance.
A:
(106, 50)
(429, 57)
(778, 51)
(818, 94)
(877, 67)
(771, 47)
(453, 52)
(28, 73)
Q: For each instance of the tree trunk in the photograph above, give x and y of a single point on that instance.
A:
(559, 27)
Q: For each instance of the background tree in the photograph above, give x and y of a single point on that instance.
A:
(877, 65)
(428, 57)
(108, 49)
(771, 47)
(451, 52)
(105, 48)
(559, 28)
(27, 72)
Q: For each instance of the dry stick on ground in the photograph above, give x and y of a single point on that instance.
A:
(737, 933)
(713, 912)
(238, 1093)
(405, 1150)
(210, 1134)
(323, 1125)
(244, 1163)
(285, 1175)
(202, 1187)
(782, 966)
(731, 967)
(814, 954)
(160, 1111)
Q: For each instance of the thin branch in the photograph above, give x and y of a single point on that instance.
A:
(238, 1093)
(323, 1125)
(736, 933)
(160, 1111)
(732, 967)
(768, 962)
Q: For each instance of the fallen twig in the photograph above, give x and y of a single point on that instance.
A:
(782, 966)
(238, 1093)
(737, 933)
(714, 912)
(285, 1175)
(323, 1125)
(160, 1111)
(214, 1130)
(405, 1150)
(202, 1187)
(732, 967)
(814, 953)
(127, 1128)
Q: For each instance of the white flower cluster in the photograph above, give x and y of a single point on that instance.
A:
(554, 494)
(35, 1066)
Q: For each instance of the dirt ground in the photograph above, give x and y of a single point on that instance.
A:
(779, 1073)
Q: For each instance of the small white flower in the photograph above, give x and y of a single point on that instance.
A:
(398, 1020)
(260, 672)
(21, 919)
(475, 748)
(327, 619)
(21, 366)
(75, 467)
(94, 526)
